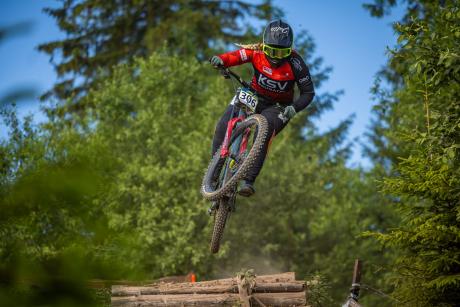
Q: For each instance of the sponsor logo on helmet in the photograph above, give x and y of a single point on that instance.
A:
(297, 64)
(243, 55)
(304, 79)
(272, 85)
(282, 30)
(267, 70)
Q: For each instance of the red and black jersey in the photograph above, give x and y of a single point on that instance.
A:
(276, 83)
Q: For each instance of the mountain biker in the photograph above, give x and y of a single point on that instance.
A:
(276, 69)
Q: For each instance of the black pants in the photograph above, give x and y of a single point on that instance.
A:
(275, 125)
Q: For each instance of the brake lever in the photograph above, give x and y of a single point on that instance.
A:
(224, 72)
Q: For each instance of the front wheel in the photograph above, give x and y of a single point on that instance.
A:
(258, 126)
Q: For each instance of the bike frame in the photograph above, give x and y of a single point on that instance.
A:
(239, 146)
(232, 156)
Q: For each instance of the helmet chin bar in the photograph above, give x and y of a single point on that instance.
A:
(275, 62)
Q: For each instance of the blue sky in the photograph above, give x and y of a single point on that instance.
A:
(354, 44)
(21, 64)
(348, 39)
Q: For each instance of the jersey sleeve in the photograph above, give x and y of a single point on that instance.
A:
(237, 57)
(304, 82)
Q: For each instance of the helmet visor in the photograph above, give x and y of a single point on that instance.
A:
(276, 53)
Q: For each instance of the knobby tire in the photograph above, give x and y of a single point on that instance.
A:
(208, 190)
(220, 218)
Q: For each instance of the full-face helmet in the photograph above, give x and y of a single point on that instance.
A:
(277, 41)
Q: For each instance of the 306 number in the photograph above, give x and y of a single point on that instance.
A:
(248, 99)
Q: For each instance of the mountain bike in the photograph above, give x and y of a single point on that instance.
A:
(245, 135)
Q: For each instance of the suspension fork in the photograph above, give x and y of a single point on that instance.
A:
(238, 116)
(241, 141)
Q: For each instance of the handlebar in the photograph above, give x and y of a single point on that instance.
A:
(227, 73)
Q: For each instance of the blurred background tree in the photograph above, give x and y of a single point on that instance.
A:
(100, 35)
(417, 133)
(114, 191)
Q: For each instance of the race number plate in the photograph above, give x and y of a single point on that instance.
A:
(248, 98)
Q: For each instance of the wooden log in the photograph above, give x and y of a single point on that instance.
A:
(102, 283)
(205, 288)
(213, 286)
(173, 289)
(178, 279)
(282, 299)
(293, 286)
(280, 277)
(180, 300)
(269, 299)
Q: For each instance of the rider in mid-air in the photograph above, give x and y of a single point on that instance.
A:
(276, 69)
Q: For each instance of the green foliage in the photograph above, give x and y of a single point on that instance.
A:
(318, 291)
(425, 181)
(113, 192)
(307, 217)
(51, 233)
(121, 182)
(101, 34)
(144, 144)
(380, 7)
(414, 8)
(159, 123)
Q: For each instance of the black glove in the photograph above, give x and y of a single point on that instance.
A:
(288, 113)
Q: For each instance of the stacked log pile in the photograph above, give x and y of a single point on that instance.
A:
(243, 290)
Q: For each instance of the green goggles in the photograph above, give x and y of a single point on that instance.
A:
(276, 53)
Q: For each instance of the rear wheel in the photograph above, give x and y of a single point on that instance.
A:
(237, 166)
(220, 219)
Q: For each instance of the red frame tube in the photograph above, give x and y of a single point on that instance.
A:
(230, 126)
